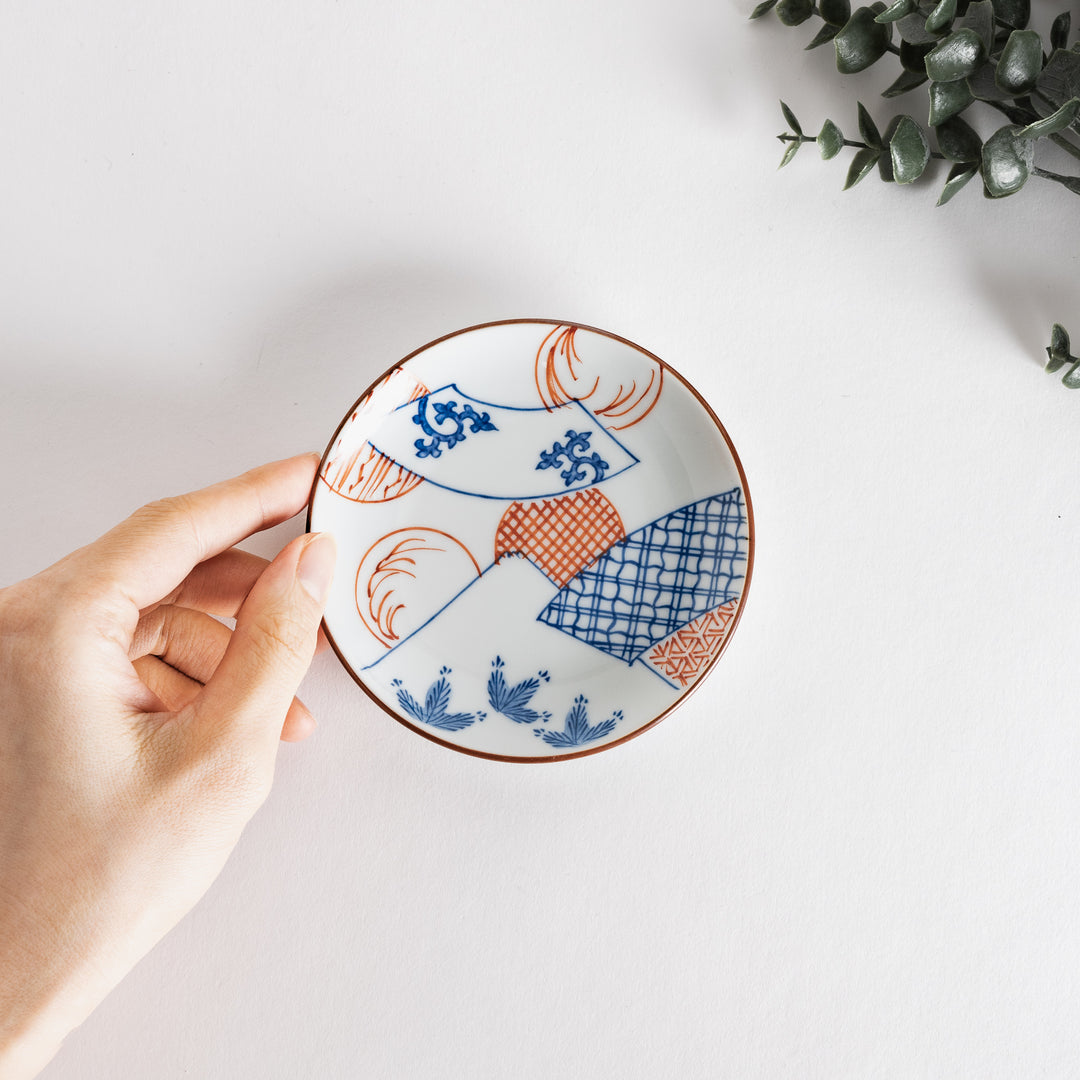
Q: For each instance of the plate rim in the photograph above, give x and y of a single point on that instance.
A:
(751, 536)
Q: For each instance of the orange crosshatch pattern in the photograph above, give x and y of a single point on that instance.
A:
(561, 535)
(365, 475)
(685, 655)
(560, 377)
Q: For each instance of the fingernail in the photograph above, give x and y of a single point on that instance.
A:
(315, 570)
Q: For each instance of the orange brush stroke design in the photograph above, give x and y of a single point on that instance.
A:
(427, 556)
(361, 473)
(561, 376)
(562, 535)
(687, 653)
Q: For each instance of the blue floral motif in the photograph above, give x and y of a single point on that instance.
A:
(512, 701)
(578, 731)
(574, 457)
(434, 710)
(447, 412)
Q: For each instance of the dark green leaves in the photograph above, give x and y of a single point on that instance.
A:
(1006, 162)
(980, 18)
(959, 175)
(956, 57)
(794, 12)
(1060, 79)
(862, 41)
(909, 150)
(958, 140)
(1014, 13)
(830, 140)
(947, 99)
(835, 12)
(1020, 62)
(762, 9)
(1054, 123)
(1058, 355)
(907, 80)
(789, 118)
(941, 17)
(1059, 32)
(868, 129)
(861, 164)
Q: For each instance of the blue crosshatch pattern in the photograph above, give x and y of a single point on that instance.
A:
(657, 579)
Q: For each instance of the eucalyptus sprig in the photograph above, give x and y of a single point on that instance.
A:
(965, 52)
(1058, 355)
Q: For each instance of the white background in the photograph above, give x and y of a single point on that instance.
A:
(854, 852)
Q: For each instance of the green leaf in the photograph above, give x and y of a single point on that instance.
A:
(1059, 32)
(980, 18)
(941, 17)
(861, 164)
(762, 8)
(885, 164)
(984, 86)
(912, 29)
(835, 12)
(947, 99)
(868, 129)
(1060, 79)
(1006, 162)
(907, 80)
(1057, 121)
(958, 140)
(789, 119)
(913, 57)
(826, 33)
(830, 140)
(959, 175)
(957, 57)
(790, 152)
(1057, 351)
(1014, 13)
(896, 11)
(861, 42)
(910, 151)
(794, 12)
(1020, 63)
(1072, 378)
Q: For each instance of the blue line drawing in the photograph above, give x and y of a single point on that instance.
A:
(578, 731)
(512, 701)
(434, 710)
(447, 412)
(577, 443)
(657, 579)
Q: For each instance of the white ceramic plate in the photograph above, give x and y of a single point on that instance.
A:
(545, 540)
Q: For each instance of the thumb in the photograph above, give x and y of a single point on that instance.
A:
(274, 641)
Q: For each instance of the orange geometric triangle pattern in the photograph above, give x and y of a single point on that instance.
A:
(685, 655)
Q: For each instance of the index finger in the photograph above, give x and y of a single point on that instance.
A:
(147, 556)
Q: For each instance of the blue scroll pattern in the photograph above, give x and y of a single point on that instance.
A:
(444, 412)
(657, 579)
(574, 456)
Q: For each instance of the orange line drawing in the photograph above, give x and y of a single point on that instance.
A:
(432, 559)
(561, 376)
(360, 472)
(561, 535)
(685, 655)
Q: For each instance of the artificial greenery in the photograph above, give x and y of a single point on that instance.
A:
(1058, 356)
(963, 53)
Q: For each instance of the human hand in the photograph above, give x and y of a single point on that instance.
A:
(138, 735)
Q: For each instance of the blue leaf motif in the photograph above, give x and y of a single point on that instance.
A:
(436, 702)
(576, 459)
(512, 702)
(578, 731)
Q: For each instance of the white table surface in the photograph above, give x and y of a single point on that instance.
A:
(854, 852)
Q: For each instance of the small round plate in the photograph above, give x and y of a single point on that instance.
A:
(545, 540)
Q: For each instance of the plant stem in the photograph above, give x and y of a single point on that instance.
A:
(1070, 183)
(788, 137)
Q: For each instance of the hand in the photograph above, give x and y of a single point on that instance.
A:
(138, 736)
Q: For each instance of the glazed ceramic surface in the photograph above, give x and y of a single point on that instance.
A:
(544, 540)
